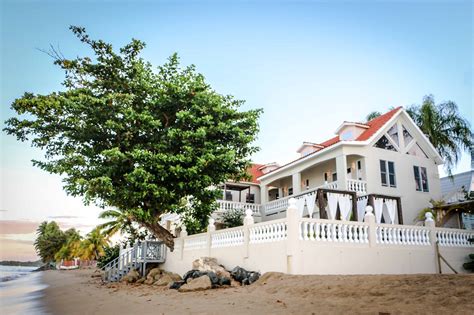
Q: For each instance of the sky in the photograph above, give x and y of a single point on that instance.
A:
(309, 64)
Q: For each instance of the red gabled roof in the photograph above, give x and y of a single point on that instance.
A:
(377, 123)
(255, 172)
(374, 125)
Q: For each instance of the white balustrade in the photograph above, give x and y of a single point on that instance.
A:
(227, 238)
(272, 231)
(402, 235)
(195, 242)
(276, 206)
(333, 231)
(225, 205)
(359, 186)
(331, 185)
(454, 237)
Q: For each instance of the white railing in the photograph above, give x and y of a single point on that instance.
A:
(359, 186)
(227, 238)
(333, 231)
(195, 242)
(402, 235)
(225, 205)
(272, 231)
(454, 238)
(331, 185)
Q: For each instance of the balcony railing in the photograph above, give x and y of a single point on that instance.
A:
(225, 205)
(359, 186)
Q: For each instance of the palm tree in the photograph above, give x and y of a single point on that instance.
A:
(94, 245)
(71, 248)
(49, 240)
(120, 221)
(447, 130)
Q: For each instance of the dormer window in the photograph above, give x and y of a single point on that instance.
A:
(350, 131)
(347, 136)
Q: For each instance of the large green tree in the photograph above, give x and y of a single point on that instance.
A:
(447, 130)
(49, 240)
(126, 136)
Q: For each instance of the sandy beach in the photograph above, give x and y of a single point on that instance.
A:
(78, 292)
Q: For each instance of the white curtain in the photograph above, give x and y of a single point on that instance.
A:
(332, 206)
(391, 209)
(361, 205)
(310, 203)
(300, 204)
(345, 206)
(378, 205)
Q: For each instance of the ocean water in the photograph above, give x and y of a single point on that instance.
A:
(21, 291)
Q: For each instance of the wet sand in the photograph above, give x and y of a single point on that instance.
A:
(76, 292)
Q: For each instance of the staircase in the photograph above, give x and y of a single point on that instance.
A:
(136, 258)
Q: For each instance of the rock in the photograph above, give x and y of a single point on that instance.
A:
(174, 276)
(213, 277)
(197, 284)
(132, 276)
(164, 280)
(149, 281)
(234, 283)
(191, 274)
(243, 276)
(253, 277)
(153, 272)
(141, 280)
(177, 284)
(224, 281)
(210, 264)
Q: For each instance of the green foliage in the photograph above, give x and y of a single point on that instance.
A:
(71, 246)
(444, 126)
(50, 239)
(121, 221)
(126, 136)
(233, 218)
(373, 115)
(110, 253)
(93, 246)
(470, 264)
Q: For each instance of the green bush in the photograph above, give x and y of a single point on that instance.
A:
(233, 218)
(111, 252)
(470, 265)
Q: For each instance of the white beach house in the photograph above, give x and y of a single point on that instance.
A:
(388, 158)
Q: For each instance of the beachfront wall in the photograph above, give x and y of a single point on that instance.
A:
(315, 246)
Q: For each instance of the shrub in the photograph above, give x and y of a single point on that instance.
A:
(111, 252)
(233, 218)
(470, 265)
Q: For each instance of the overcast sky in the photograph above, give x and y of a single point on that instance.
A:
(309, 65)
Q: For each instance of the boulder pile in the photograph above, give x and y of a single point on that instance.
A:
(207, 274)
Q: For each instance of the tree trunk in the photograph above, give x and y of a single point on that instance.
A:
(161, 233)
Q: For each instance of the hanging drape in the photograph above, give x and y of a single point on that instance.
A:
(361, 205)
(310, 203)
(345, 207)
(378, 207)
(391, 209)
(332, 206)
(300, 204)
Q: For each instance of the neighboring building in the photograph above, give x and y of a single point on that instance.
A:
(458, 193)
(387, 156)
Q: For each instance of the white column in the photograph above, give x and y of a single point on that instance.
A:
(292, 241)
(263, 194)
(296, 181)
(370, 219)
(248, 220)
(341, 170)
(280, 192)
(430, 223)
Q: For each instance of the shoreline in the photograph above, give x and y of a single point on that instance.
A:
(76, 292)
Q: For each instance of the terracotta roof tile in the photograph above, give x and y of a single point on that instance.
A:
(255, 173)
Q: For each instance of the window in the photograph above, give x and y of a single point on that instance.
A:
(251, 198)
(387, 173)
(228, 195)
(384, 143)
(307, 184)
(325, 177)
(406, 136)
(290, 191)
(334, 177)
(393, 133)
(421, 178)
(349, 170)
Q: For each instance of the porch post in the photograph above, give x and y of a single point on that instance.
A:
(263, 194)
(341, 169)
(296, 182)
(292, 241)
